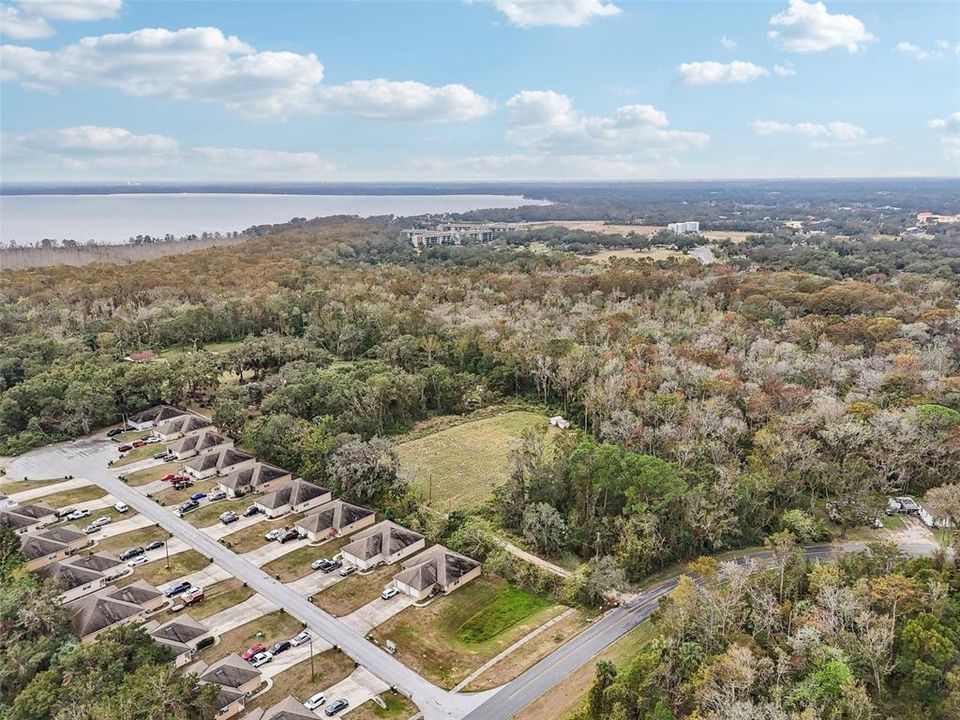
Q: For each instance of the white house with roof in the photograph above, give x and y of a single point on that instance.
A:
(437, 569)
(384, 543)
(296, 496)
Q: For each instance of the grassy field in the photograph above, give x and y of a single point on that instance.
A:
(137, 454)
(273, 626)
(142, 477)
(131, 539)
(510, 607)
(429, 639)
(16, 486)
(131, 435)
(294, 565)
(156, 572)
(460, 465)
(170, 496)
(71, 497)
(210, 514)
(250, 538)
(330, 667)
(355, 591)
(397, 707)
(651, 254)
(219, 596)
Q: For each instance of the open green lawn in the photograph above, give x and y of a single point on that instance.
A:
(121, 542)
(296, 564)
(492, 614)
(219, 596)
(210, 514)
(131, 435)
(16, 486)
(183, 563)
(170, 496)
(266, 629)
(71, 497)
(137, 454)
(250, 538)
(329, 668)
(355, 591)
(142, 477)
(459, 466)
(398, 707)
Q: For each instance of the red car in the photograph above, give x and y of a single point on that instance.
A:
(168, 477)
(125, 448)
(253, 650)
(139, 443)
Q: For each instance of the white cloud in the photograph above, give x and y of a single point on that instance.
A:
(950, 123)
(202, 64)
(716, 73)
(727, 43)
(786, 70)
(563, 13)
(87, 149)
(411, 101)
(822, 135)
(949, 127)
(941, 48)
(809, 27)
(27, 19)
(536, 166)
(908, 48)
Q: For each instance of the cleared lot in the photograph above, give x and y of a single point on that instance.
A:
(330, 667)
(217, 597)
(355, 591)
(296, 565)
(250, 538)
(157, 572)
(142, 477)
(143, 536)
(170, 496)
(71, 497)
(209, 513)
(265, 630)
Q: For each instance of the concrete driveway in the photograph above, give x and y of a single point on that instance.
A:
(205, 577)
(272, 550)
(219, 530)
(240, 614)
(26, 496)
(357, 688)
(376, 612)
(315, 582)
(122, 526)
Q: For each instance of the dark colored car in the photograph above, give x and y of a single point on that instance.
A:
(332, 565)
(160, 455)
(155, 545)
(113, 432)
(288, 535)
(336, 706)
(181, 484)
(125, 448)
(250, 511)
(188, 506)
(131, 553)
(177, 589)
(198, 496)
(280, 647)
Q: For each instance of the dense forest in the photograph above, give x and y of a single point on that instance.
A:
(713, 406)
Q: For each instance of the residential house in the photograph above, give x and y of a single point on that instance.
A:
(29, 517)
(223, 462)
(188, 424)
(438, 569)
(233, 672)
(231, 703)
(287, 709)
(202, 443)
(258, 477)
(142, 593)
(335, 519)
(296, 496)
(20, 524)
(76, 581)
(96, 613)
(51, 545)
(181, 635)
(141, 356)
(384, 543)
(5, 502)
(104, 562)
(154, 416)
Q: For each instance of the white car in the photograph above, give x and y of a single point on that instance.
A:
(78, 514)
(101, 521)
(389, 592)
(300, 639)
(137, 561)
(91, 529)
(274, 534)
(315, 701)
(261, 658)
(152, 440)
(120, 507)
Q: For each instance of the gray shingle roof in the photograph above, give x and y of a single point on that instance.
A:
(438, 565)
(137, 592)
(185, 424)
(288, 709)
(96, 612)
(384, 538)
(33, 511)
(63, 534)
(70, 576)
(35, 547)
(231, 671)
(157, 414)
(253, 476)
(335, 514)
(180, 630)
(100, 561)
(298, 491)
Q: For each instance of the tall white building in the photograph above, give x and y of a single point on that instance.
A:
(458, 233)
(684, 228)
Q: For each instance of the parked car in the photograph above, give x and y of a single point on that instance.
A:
(78, 515)
(139, 443)
(389, 592)
(336, 706)
(187, 506)
(229, 517)
(113, 432)
(218, 495)
(261, 659)
(320, 564)
(162, 455)
(315, 701)
(250, 511)
(181, 484)
(253, 650)
(178, 589)
(333, 565)
(152, 440)
(125, 448)
(155, 545)
(198, 496)
(131, 553)
(139, 560)
(279, 647)
(65, 512)
(120, 507)
(169, 477)
(192, 596)
(91, 529)
(101, 521)
(348, 570)
(300, 639)
(273, 534)
(288, 535)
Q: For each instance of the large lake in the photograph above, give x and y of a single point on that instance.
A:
(114, 218)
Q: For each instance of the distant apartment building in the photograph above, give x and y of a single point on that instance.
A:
(458, 233)
(684, 228)
(929, 218)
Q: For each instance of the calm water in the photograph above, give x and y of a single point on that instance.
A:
(114, 218)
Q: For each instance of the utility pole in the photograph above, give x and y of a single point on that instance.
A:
(313, 674)
(166, 547)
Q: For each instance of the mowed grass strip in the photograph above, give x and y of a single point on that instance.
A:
(270, 628)
(510, 607)
(250, 538)
(137, 454)
(71, 497)
(294, 565)
(134, 538)
(16, 486)
(157, 573)
(209, 514)
(330, 667)
(355, 591)
(219, 596)
(461, 465)
(397, 706)
(142, 477)
(170, 496)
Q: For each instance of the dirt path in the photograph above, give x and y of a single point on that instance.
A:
(533, 559)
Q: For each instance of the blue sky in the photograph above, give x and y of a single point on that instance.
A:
(483, 90)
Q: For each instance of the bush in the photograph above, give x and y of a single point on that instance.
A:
(206, 642)
(804, 527)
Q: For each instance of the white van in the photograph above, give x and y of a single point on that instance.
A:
(120, 507)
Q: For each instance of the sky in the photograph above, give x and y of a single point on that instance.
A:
(484, 90)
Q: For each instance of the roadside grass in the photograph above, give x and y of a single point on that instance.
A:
(209, 514)
(142, 477)
(131, 539)
(459, 466)
(429, 638)
(16, 486)
(170, 496)
(71, 497)
(266, 629)
(131, 435)
(330, 667)
(183, 563)
(217, 597)
(294, 565)
(398, 706)
(355, 591)
(137, 454)
(250, 538)
(510, 607)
